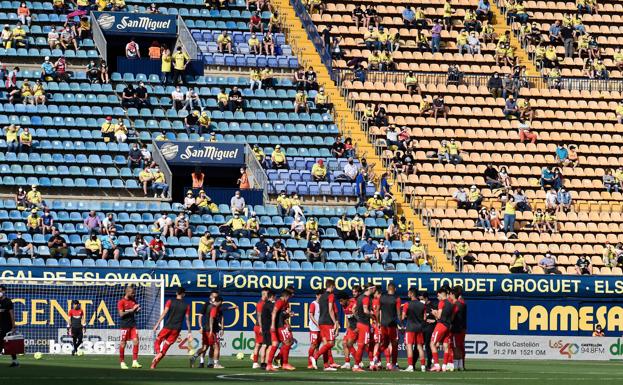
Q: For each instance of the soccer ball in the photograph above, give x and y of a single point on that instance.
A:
(38, 355)
(80, 353)
(240, 356)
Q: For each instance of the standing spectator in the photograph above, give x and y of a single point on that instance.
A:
(583, 266)
(180, 60)
(509, 216)
(548, 264)
(20, 246)
(92, 222)
(132, 50)
(141, 248)
(518, 264)
(154, 51)
(229, 249)
(436, 37)
(166, 60)
(361, 184)
(567, 34)
(57, 245)
(157, 248)
(314, 251)
(243, 181)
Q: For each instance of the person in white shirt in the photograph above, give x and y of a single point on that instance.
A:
(473, 44)
(164, 224)
(314, 327)
(132, 50)
(351, 170)
(177, 98)
(192, 100)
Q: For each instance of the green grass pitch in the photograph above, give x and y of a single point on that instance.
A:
(98, 370)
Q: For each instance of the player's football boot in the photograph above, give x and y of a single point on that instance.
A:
(202, 365)
(423, 368)
(192, 360)
(123, 365)
(357, 369)
(408, 369)
(335, 366)
(330, 369)
(136, 365)
(256, 365)
(288, 367)
(14, 365)
(218, 366)
(436, 368)
(313, 363)
(345, 366)
(270, 368)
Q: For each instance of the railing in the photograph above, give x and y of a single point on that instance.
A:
(257, 176)
(98, 38)
(312, 33)
(186, 40)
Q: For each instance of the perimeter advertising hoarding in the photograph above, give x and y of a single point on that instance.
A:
(557, 312)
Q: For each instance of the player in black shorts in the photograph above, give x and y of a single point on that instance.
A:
(7, 321)
(76, 325)
(266, 320)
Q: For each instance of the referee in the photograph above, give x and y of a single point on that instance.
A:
(7, 321)
(76, 325)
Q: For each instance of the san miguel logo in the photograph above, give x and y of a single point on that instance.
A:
(143, 22)
(208, 152)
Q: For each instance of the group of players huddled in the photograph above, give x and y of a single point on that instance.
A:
(374, 320)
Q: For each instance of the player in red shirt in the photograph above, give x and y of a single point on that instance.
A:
(363, 313)
(389, 317)
(127, 309)
(280, 332)
(76, 325)
(413, 312)
(260, 348)
(441, 334)
(176, 311)
(329, 326)
(374, 348)
(459, 327)
(348, 343)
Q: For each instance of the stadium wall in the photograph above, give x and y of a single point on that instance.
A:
(510, 316)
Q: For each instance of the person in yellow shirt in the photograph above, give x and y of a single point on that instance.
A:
(618, 111)
(33, 222)
(165, 65)
(419, 19)
(119, 5)
(39, 93)
(34, 197)
(454, 151)
(426, 106)
(525, 109)
(108, 129)
(388, 205)
(254, 45)
(311, 228)
(461, 41)
(359, 227)
(284, 205)
(599, 70)
(222, 99)
(255, 79)
(267, 76)
(462, 253)
(206, 247)
(224, 42)
(93, 247)
(27, 92)
(234, 227)
(253, 226)
(319, 171)
(204, 122)
(146, 178)
(386, 61)
(121, 131)
(19, 36)
(374, 61)
(278, 158)
(322, 102)
(551, 58)
(375, 205)
(474, 197)
(345, 229)
(418, 252)
(12, 138)
(370, 38)
(382, 37)
(300, 101)
(259, 154)
(25, 141)
(180, 60)
(159, 184)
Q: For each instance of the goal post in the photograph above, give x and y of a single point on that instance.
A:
(41, 307)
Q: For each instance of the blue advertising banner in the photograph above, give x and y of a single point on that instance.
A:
(510, 305)
(179, 153)
(113, 23)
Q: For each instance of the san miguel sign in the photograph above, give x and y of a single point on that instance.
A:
(136, 23)
(181, 153)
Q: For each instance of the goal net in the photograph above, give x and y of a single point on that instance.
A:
(42, 305)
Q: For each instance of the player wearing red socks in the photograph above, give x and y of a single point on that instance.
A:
(413, 313)
(459, 328)
(260, 347)
(127, 309)
(388, 318)
(348, 343)
(329, 326)
(363, 313)
(280, 332)
(314, 329)
(176, 311)
(442, 329)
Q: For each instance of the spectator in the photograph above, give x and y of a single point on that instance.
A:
(548, 264)
(141, 96)
(135, 157)
(238, 205)
(128, 97)
(191, 122)
(229, 249)
(518, 264)
(474, 198)
(105, 79)
(525, 110)
(159, 184)
(454, 151)
(436, 37)
(255, 78)
(548, 178)
(121, 131)
(297, 228)
(372, 16)
(510, 216)
(190, 203)
(20, 246)
(152, 9)
(418, 252)
(322, 102)
(34, 198)
(110, 245)
(92, 222)
(57, 245)
(567, 34)
(439, 106)
(224, 43)
(319, 171)
(461, 42)
(460, 197)
(511, 109)
(314, 252)
(361, 183)
(192, 100)
(108, 224)
(269, 44)
(358, 15)
(166, 61)
(93, 72)
(610, 182)
(46, 223)
(164, 225)
(146, 177)
(132, 50)
(311, 228)
(235, 101)
(280, 253)
(492, 177)
(33, 222)
(345, 229)
(23, 14)
(359, 227)
(93, 246)
(462, 254)
(483, 220)
(157, 248)
(262, 250)
(300, 101)
(25, 141)
(525, 132)
(67, 39)
(255, 23)
(235, 226)
(243, 181)
(554, 33)
(180, 60)
(375, 205)
(278, 159)
(284, 206)
(20, 40)
(473, 43)
(583, 266)
(182, 226)
(504, 178)
(368, 250)
(564, 200)
(141, 248)
(562, 154)
(408, 16)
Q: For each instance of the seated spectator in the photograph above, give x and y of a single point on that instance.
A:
(262, 250)
(368, 250)
(583, 266)
(454, 151)
(127, 96)
(372, 16)
(191, 122)
(439, 106)
(617, 57)
(235, 100)
(525, 110)
(359, 227)
(345, 229)
(297, 228)
(610, 182)
(511, 109)
(551, 200)
(67, 40)
(358, 14)
(311, 228)
(300, 101)
(47, 70)
(205, 204)
(238, 205)
(461, 42)
(157, 248)
(141, 248)
(460, 197)
(159, 184)
(518, 264)
(278, 159)
(224, 43)
(483, 12)
(319, 171)
(255, 23)
(538, 221)
(462, 254)
(20, 246)
(284, 205)
(322, 102)
(23, 14)
(108, 224)
(54, 38)
(255, 79)
(548, 264)
(20, 40)
(483, 220)
(388, 205)
(6, 36)
(525, 132)
(564, 200)
(34, 198)
(92, 222)
(25, 141)
(562, 154)
(141, 96)
(46, 223)
(408, 16)
(146, 178)
(121, 131)
(268, 79)
(135, 157)
(418, 252)
(255, 46)
(411, 83)
(269, 44)
(554, 33)
(492, 177)
(314, 251)
(548, 178)
(280, 253)
(177, 98)
(57, 245)
(110, 245)
(33, 222)
(164, 225)
(375, 205)
(474, 198)
(182, 226)
(374, 61)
